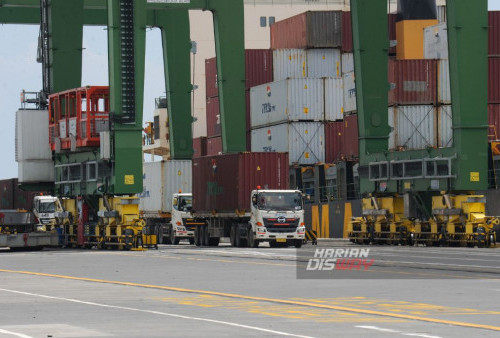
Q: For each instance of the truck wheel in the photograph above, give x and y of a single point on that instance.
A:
(273, 244)
(197, 236)
(214, 241)
(298, 243)
(191, 241)
(237, 238)
(251, 242)
(205, 239)
(232, 235)
(173, 239)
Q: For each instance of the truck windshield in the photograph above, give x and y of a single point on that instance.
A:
(282, 201)
(47, 207)
(185, 203)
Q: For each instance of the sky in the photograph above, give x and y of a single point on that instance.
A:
(19, 70)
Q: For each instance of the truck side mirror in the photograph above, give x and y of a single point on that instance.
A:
(254, 199)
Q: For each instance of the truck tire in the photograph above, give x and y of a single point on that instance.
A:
(197, 236)
(232, 235)
(191, 241)
(173, 239)
(214, 241)
(205, 239)
(251, 242)
(298, 243)
(237, 236)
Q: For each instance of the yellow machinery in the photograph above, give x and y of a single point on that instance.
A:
(458, 220)
(383, 221)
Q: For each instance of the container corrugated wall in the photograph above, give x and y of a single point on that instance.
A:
(392, 134)
(289, 63)
(494, 121)
(441, 13)
(32, 135)
(494, 33)
(334, 137)
(349, 92)
(444, 89)
(334, 99)
(258, 67)
(224, 183)
(313, 29)
(304, 141)
(292, 99)
(351, 138)
(494, 80)
(177, 177)
(7, 193)
(200, 146)
(436, 42)
(415, 81)
(445, 126)
(214, 146)
(213, 117)
(347, 63)
(324, 62)
(151, 198)
(415, 127)
(347, 44)
(211, 85)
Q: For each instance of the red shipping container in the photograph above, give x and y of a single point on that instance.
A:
(351, 135)
(211, 86)
(494, 122)
(199, 146)
(494, 33)
(494, 80)
(416, 81)
(213, 117)
(258, 70)
(214, 145)
(7, 188)
(224, 182)
(347, 44)
(391, 78)
(334, 136)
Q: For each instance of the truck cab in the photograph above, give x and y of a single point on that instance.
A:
(45, 209)
(277, 217)
(181, 222)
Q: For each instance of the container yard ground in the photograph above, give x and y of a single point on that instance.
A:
(191, 291)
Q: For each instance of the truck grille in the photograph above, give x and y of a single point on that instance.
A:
(273, 225)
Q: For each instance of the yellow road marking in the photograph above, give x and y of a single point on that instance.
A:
(264, 299)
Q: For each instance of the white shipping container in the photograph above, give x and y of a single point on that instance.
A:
(304, 141)
(347, 63)
(323, 62)
(444, 88)
(161, 180)
(436, 42)
(32, 135)
(445, 127)
(349, 92)
(35, 171)
(441, 13)
(415, 127)
(334, 99)
(289, 63)
(392, 134)
(287, 100)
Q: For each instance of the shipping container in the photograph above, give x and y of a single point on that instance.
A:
(441, 14)
(347, 63)
(35, 171)
(391, 22)
(444, 87)
(334, 99)
(312, 29)
(347, 43)
(7, 188)
(494, 80)
(258, 70)
(494, 122)
(211, 85)
(200, 146)
(213, 117)
(224, 183)
(304, 141)
(445, 126)
(324, 62)
(32, 135)
(436, 42)
(494, 33)
(287, 100)
(415, 81)
(214, 145)
(349, 82)
(351, 138)
(334, 137)
(414, 127)
(289, 63)
(392, 133)
(161, 180)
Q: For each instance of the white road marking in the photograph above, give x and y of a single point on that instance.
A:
(155, 312)
(15, 334)
(381, 329)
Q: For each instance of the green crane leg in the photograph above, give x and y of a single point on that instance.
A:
(468, 54)
(176, 42)
(230, 50)
(126, 81)
(65, 43)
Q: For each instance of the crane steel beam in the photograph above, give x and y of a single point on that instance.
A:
(176, 44)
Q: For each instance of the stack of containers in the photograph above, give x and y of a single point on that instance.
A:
(289, 114)
(258, 70)
(494, 75)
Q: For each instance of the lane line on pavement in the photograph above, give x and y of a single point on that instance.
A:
(264, 299)
(255, 328)
(20, 335)
(381, 329)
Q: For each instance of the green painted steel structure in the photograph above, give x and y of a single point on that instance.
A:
(126, 66)
(462, 167)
